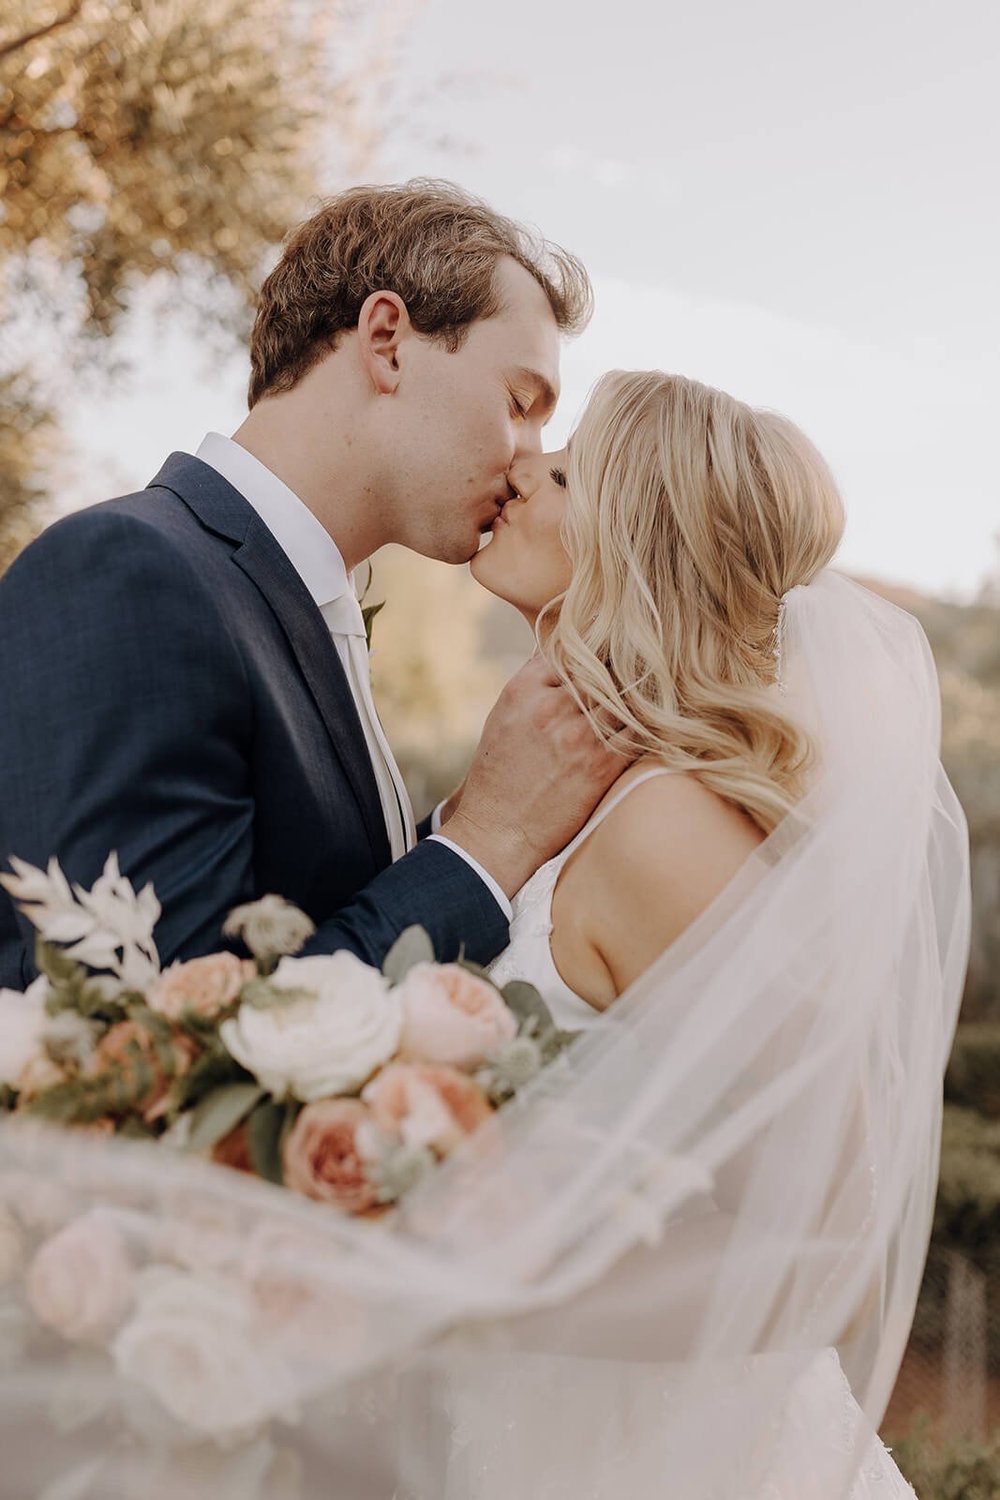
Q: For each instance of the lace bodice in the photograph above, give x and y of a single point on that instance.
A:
(528, 955)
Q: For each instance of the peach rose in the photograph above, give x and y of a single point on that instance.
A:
(450, 1016)
(424, 1104)
(201, 987)
(80, 1281)
(323, 1159)
(129, 1043)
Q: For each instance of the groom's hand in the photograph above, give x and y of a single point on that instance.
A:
(538, 774)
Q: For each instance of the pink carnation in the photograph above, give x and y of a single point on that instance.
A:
(450, 1016)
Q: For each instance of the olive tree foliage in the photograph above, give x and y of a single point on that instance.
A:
(163, 141)
(29, 443)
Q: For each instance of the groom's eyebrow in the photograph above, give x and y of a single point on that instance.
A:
(545, 394)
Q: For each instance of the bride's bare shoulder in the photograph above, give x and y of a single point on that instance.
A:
(655, 863)
(669, 813)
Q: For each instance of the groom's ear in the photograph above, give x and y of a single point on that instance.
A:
(382, 323)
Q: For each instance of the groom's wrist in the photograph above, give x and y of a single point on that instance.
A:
(503, 852)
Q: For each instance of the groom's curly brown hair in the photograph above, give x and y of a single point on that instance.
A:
(432, 243)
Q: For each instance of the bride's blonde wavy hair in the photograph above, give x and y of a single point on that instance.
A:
(689, 515)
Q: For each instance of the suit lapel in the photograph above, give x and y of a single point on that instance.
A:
(224, 511)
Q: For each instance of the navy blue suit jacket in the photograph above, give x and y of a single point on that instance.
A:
(169, 690)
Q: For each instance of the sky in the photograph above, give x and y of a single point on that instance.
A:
(796, 202)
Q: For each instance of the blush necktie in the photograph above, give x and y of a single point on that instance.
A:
(346, 625)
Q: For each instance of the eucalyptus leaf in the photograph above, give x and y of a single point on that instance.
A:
(265, 1129)
(158, 1029)
(554, 1042)
(213, 1070)
(91, 1000)
(220, 1112)
(527, 1004)
(413, 946)
(263, 996)
(53, 963)
(79, 1101)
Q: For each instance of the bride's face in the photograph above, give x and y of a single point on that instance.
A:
(525, 561)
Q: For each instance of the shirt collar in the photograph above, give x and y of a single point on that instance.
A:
(306, 543)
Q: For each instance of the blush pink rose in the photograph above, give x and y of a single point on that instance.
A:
(322, 1156)
(450, 1016)
(80, 1281)
(201, 987)
(426, 1104)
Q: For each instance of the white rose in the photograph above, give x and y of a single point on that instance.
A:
(22, 1022)
(80, 1281)
(328, 1044)
(192, 1344)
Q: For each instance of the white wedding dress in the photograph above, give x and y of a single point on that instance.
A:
(822, 1424)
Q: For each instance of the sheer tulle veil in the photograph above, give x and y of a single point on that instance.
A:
(623, 1284)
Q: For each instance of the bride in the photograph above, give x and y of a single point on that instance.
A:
(684, 1261)
(655, 584)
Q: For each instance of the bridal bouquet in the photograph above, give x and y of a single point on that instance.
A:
(343, 1082)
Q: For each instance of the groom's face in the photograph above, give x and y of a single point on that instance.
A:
(466, 417)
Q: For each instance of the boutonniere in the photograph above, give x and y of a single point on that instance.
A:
(369, 611)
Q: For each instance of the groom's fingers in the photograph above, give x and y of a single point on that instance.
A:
(539, 670)
(540, 770)
(552, 712)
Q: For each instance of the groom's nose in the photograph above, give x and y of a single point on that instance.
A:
(529, 441)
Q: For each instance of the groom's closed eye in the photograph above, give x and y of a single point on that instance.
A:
(541, 396)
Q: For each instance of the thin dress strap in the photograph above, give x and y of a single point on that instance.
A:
(602, 812)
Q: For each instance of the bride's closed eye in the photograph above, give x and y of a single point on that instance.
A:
(559, 475)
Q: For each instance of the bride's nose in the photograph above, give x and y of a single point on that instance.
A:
(514, 482)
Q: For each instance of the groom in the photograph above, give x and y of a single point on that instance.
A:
(183, 674)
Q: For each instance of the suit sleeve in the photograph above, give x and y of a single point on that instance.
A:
(431, 887)
(126, 724)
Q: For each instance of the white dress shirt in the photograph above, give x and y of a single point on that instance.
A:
(316, 558)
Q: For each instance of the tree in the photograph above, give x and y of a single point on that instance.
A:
(164, 140)
(28, 441)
